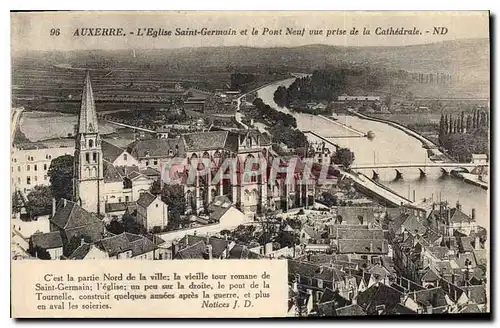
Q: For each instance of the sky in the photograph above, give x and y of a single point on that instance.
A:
(32, 31)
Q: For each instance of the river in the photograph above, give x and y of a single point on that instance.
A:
(391, 145)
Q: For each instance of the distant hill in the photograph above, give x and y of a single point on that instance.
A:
(468, 58)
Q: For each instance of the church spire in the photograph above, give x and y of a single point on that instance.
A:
(87, 121)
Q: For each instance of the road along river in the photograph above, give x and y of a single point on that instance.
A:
(390, 145)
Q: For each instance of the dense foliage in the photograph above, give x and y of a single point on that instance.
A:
(274, 116)
(465, 135)
(61, 177)
(240, 81)
(344, 157)
(40, 201)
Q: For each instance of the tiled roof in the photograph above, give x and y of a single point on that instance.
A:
(470, 308)
(433, 296)
(126, 242)
(466, 257)
(379, 294)
(219, 206)
(476, 294)
(401, 309)
(350, 311)
(47, 240)
(362, 246)
(358, 234)
(72, 216)
(313, 234)
(205, 140)
(159, 148)
(457, 216)
(218, 245)
(350, 214)
(430, 275)
(146, 199)
(307, 269)
(119, 207)
(80, 252)
(481, 256)
(111, 174)
(242, 252)
(196, 251)
(440, 252)
(110, 152)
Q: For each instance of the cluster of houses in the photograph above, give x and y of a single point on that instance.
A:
(342, 261)
(390, 262)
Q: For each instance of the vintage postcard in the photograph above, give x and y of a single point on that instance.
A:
(250, 164)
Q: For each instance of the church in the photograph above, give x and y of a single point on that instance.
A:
(110, 180)
(107, 179)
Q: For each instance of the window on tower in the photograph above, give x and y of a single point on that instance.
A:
(91, 143)
(87, 158)
(94, 157)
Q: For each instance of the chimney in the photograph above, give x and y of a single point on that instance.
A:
(54, 205)
(186, 240)
(448, 211)
(458, 206)
(64, 202)
(473, 215)
(429, 309)
(82, 241)
(174, 248)
(209, 251)
(371, 247)
(477, 244)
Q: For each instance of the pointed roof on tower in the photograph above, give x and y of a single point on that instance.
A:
(87, 121)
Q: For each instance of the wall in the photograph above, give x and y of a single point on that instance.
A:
(42, 158)
(55, 253)
(156, 214)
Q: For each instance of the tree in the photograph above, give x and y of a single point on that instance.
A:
(173, 196)
(61, 177)
(344, 157)
(243, 234)
(40, 201)
(75, 242)
(294, 223)
(17, 202)
(329, 199)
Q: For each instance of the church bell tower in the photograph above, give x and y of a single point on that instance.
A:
(88, 180)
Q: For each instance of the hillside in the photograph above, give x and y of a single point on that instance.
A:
(466, 58)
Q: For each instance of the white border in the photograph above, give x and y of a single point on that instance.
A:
(200, 5)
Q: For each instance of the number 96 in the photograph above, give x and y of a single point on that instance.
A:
(55, 32)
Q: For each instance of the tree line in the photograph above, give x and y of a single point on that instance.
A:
(463, 135)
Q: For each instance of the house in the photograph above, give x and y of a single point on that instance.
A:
(379, 299)
(117, 156)
(30, 163)
(71, 220)
(129, 246)
(310, 235)
(479, 159)
(208, 248)
(152, 211)
(358, 98)
(352, 310)
(50, 241)
(432, 300)
(88, 251)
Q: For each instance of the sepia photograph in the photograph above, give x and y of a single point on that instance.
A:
(286, 164)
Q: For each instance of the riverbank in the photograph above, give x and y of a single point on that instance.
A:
(472, 179)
